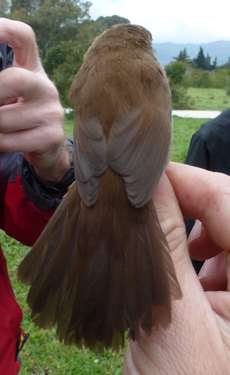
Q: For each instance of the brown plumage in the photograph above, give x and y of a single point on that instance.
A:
(102, 265)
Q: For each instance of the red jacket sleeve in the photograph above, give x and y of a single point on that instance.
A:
(25, 203)
(23, 220)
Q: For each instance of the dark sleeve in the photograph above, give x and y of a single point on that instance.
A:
(46, 195)
(6, 56)
(198, 154)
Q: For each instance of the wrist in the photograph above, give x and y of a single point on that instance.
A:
(63, 160)
(45, 193)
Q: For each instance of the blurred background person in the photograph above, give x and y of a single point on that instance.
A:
(210, 149)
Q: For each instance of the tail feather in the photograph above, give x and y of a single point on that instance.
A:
(148, 289)
(46, 266)
(98, 317)
(100, 270)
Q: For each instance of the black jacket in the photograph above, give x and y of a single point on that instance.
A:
(210, 149)
(210, 145)
(6, 56)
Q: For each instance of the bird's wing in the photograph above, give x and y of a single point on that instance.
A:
(89, 157)
(139, 148)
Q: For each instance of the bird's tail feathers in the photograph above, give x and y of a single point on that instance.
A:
(98, 271)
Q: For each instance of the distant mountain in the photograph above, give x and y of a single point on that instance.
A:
(167, 51)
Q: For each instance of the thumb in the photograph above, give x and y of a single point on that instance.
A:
(172, 224)
(177, 342)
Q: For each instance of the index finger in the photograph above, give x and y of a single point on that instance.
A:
(22, 39)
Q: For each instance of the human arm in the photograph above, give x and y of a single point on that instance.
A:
(27, 202)
(35, 160)
(31, 116)
(198, 339)
(198, 154)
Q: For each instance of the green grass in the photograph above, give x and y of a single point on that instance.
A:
(43, 354)
(212, 99)
(183, 129)
(69, 123)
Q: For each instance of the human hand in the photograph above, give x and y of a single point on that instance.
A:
(198, 339)
(212, 275)
(31, 116)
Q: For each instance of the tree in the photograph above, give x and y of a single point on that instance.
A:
(4, 8)
(28, 5)
(63, 61)
(202, 62)
(183, 56)
(64, 32)
(208, 62)
(214, 65)
(108, 22)
(176, 73)
(20, 15)
(53, 21)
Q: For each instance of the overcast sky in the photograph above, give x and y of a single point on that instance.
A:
(178, 21)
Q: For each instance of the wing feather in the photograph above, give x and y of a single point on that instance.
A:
(139, 148)
(89, 157)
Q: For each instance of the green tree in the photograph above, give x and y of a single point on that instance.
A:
(183, 56)
(221, 79)
(101, 24)
(28, 5)
(60, 22)
(180, 98)
(200, 60)
(63, 61)
(64, 31)
(176, 73)
(20, 15)
(204, 63)
(208, 62)
(4, 8)
(56, 56)
(214, 65)
(53, 21)
(108, 22)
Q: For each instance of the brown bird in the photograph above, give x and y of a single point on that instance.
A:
(102, 265)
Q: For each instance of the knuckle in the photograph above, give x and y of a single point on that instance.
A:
(31, 33)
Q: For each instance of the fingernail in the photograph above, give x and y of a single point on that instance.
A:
(208, 268)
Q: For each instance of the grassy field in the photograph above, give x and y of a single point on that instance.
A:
(43, 354)
(212, 99)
